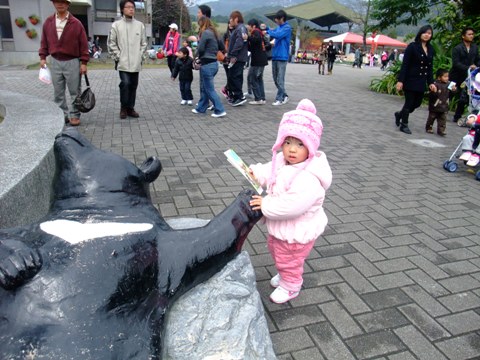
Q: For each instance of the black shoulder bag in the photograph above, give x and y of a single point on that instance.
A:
(86, 100)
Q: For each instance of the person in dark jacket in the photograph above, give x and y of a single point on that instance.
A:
(238, 56)
(464, 56)
(331, 56)
(68, 46)
(438, 103)
(258, 61)
(184, 70)
(415, 73)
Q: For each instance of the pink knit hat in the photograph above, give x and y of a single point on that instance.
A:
(303, 124)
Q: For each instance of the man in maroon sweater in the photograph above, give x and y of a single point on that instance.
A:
(65, 39)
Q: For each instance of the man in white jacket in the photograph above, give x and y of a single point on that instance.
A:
(127, 44)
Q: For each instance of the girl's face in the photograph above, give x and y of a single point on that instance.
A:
(185, 44)
(294, 151)
(426, 36)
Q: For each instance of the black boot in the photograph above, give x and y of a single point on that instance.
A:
(398, 116)
(404, 128)
(404, 125)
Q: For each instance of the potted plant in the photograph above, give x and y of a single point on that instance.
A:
(31, 33)
(20, 22)
(34, 19)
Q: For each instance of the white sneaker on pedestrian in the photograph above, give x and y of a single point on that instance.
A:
(190, 102)
(280, 295)
(183, 102)
(211, 108)
(257, 102)
(285, 100)
(275, 281)
(222, 114)
(195, 111)
(277, 103)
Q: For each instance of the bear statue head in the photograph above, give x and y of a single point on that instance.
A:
(83, 171)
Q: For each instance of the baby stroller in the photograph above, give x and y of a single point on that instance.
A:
(473, 96)
(473, 89)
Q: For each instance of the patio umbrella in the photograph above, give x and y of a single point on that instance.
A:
(384, 40)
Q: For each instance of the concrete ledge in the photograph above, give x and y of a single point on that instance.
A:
(27, 163)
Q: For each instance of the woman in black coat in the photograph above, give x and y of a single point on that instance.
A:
(416, 72)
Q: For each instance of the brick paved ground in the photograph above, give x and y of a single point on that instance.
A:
(397, 273)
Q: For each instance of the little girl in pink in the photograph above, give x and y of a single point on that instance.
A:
(297, 179)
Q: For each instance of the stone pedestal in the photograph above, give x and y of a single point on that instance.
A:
(220, 319)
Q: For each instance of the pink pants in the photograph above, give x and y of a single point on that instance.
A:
(289, 260)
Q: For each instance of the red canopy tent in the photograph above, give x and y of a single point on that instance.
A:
(384, 40)
(346, 38)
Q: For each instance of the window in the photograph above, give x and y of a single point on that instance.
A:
(3, 2)
(5, 24)
(109, 5)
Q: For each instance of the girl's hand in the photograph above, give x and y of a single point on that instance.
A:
(432, 88)
(399, 86)
(256, 202)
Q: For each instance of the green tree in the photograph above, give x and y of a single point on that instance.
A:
(165, 12)
(363, 10)
(394, 12)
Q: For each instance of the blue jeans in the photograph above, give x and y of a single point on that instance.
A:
(207, 89)
(279, 67)
(255, 78)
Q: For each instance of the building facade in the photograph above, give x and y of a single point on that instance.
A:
(21, 24)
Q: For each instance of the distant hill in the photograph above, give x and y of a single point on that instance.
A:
(225, 7)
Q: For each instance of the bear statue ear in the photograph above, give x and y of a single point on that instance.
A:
(151, 169)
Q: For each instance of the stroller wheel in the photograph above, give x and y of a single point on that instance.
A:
(452, 166)
(461, 123)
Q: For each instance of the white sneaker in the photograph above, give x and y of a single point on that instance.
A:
(277, 103)
(190, 102)
(285, 100)
(275, 281)
(183, 102)
(474, 160)
(257, 102)
(280, 295)
(465, 155)
(211, 107)
(195, 111)
(222, 114)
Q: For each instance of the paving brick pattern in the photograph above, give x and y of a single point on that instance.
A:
(396, 274)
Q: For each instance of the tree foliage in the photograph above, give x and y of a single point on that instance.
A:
(165, 12)
(394, 12)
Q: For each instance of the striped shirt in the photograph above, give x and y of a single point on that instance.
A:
(60, 24)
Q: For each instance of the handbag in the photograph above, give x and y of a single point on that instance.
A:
(197, 64)
(220, 56)
(85, 101)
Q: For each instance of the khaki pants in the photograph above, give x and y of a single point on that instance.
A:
(66, 74)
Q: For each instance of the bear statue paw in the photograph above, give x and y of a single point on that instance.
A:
(18, 263)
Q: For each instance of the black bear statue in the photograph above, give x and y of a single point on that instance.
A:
(95, 277)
